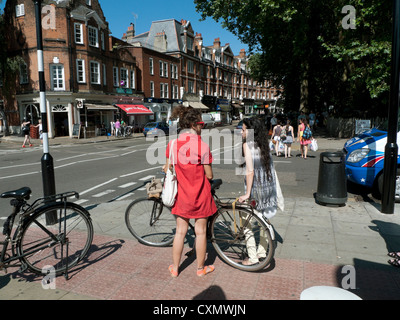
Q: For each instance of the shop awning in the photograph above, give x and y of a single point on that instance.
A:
(135, 109)
(100, 107)
(198, 105)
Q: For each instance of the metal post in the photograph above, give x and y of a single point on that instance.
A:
(391, 149)
(49, 186)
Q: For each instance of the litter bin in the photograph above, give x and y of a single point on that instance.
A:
(332, 181)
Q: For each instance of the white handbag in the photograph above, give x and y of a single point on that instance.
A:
(279, 196)
(170, 188)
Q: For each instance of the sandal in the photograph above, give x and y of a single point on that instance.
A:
(395, 255)
(174, 273)
(394, 262)
(206, 270)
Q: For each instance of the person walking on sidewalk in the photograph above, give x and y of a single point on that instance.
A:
(192, 157)
(276, 136)
(26, 128)
(289, 134)
(305, 137)
(260, 182)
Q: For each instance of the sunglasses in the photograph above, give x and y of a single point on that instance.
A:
(201, 123)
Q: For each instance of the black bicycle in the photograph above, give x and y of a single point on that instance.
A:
(49, 233)
(241, 236)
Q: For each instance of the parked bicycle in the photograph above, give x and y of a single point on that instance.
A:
(234, 230)
(49, 233)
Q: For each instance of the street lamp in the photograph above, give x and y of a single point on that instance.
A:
(391, 149)
(49, 186)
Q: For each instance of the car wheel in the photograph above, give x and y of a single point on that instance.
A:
(397, 189)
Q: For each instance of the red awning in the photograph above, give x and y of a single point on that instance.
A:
(135, 109)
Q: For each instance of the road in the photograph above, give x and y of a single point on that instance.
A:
(118, 170)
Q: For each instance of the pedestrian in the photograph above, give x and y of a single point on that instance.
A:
(259, 182)
(276, 136)
(40, 126)
(289, 134)
(112, 126)
(193, 169)
(25, 128)
(117, 126)
(305, 140)
(274, 122)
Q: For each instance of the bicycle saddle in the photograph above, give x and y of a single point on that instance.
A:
(22, 193)
(215, 184)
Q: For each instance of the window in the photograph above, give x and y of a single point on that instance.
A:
(190, 66)
(78, 33)
(166, 69)
(104, 74)
(151, 63)
(190, 87)
(161, 69)
(166, 91)
(23, 73)
(80, 67)
(115, 77)
(103, 42)
(94, 72)
(57, 77)
(175, 92)
(19, 10)
(151, 89)
(93, 37)
(189, 43)
(124, 78)
(133, 79)
(162, 90)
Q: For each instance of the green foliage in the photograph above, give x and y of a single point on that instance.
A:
(302, 46)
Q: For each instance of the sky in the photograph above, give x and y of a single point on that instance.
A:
(120, 13)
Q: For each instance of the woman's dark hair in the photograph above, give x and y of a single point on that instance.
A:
(261, 141)
(187, 116)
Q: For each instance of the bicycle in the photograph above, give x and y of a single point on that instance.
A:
(49, 233)
(233, 230)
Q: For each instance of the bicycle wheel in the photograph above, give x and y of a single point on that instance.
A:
(240, 236)
(151, 222)
(61, 245)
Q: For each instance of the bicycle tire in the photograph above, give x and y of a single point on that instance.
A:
(232, 244)
(70, 247)
(150, 222)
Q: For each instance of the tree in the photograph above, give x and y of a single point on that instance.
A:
(303, 46)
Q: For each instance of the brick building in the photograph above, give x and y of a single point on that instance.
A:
(138, 78)
(211, 78)
(82, 64)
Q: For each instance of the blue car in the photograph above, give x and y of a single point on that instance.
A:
(365, 156)
(156, 129)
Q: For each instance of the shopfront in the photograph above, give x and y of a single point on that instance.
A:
(135, 115)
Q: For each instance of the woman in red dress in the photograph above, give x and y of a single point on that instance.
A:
(194, 199)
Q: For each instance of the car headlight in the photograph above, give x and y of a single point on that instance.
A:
(358, 155)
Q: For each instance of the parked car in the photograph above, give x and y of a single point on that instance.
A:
(365, 156)
(239, 125)
(208, 119)
(156, 129)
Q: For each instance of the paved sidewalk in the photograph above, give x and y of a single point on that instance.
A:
(314, 242)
